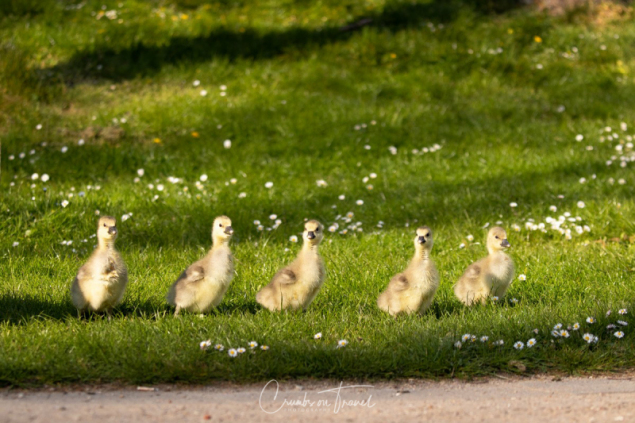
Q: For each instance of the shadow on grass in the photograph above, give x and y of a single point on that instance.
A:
(18, 309)
(141, 59)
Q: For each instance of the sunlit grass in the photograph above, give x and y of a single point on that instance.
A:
(447, 106)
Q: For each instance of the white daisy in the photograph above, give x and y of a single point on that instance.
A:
(203, 93)
(588, 337)
(484, 338)
(232, 352)
(342, 343)
(555, 333)
(253, 344)
(317, 335)
(268, 185)
(264, 347)
(359, 202)
(494, 298)
(590, 320)
(622, 322)
(35, 177)
(499, 342)
(321, 183)
(581, 204)
(522, 277)
(564, 333)
(579, 137)
(519, 345)
(514, 300)
(240, 350)
(227, 144)
(576, 326)
(458, 344)
(470, 238)
(205, 344)
(512, 205)
(15, 244)
(293, 238)
(619, 334)
(531, 342)
(466, 337)
(65, 203)
(553, 208)
(219, 347)
(623, 311)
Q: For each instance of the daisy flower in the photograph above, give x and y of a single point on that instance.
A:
(531, 342)
(484, 338)
(293, 238)
(232, 352)
(611, 326)
(590, 320)
(205, 344)
(227, 144)
(576, 326)
(619, 334)
(564, 333)
(555, 333)
(588, 337)
(458, 344)
(466, 337)
(519, 345)
(514, 300)
(268, 185)
(65, 203)
(342, 343)
(317, 335)
(253, 344)
(264, 347)
(622, 322)
(494, 298)
(558, 326)
(470, 238)
(623, 311)
(219, 347)
(522, 277)
(240, 350)
(512, 205)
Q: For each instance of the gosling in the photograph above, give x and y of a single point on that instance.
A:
(204, 283)
(100, 283)
(413, 290)
(296, 285)
(491, 275)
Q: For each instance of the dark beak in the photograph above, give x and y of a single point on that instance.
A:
(229, 230)
(505, 243)
(112, 230)
(421, 240)
(310, 235)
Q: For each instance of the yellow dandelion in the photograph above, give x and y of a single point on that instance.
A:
(157, 140)
(537, 39)
(195, 134)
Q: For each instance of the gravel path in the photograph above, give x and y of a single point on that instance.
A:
(546, 398)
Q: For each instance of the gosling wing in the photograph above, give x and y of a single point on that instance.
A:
(285, 277)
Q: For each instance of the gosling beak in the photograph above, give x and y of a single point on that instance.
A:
(505, 243)
(112, 230)
(421, 240)
(229, 230)
(310, 235)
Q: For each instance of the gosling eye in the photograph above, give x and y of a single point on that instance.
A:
(105, 225)
(427, 235)
(220, 225)
(496, 236)
(317, 230)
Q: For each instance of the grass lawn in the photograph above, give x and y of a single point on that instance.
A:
(440, 113)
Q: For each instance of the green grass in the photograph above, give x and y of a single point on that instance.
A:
(303, 100)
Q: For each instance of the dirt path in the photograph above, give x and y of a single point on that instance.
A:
(595, 399)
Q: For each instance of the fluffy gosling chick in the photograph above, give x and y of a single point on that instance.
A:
(204, 283)
(413, 290)
(296, 285)
(100, 283)
(491, 275)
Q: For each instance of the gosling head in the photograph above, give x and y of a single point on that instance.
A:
(497, 239)
(107, 229)
(313, 232)
(222, 229)
(423, 238)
